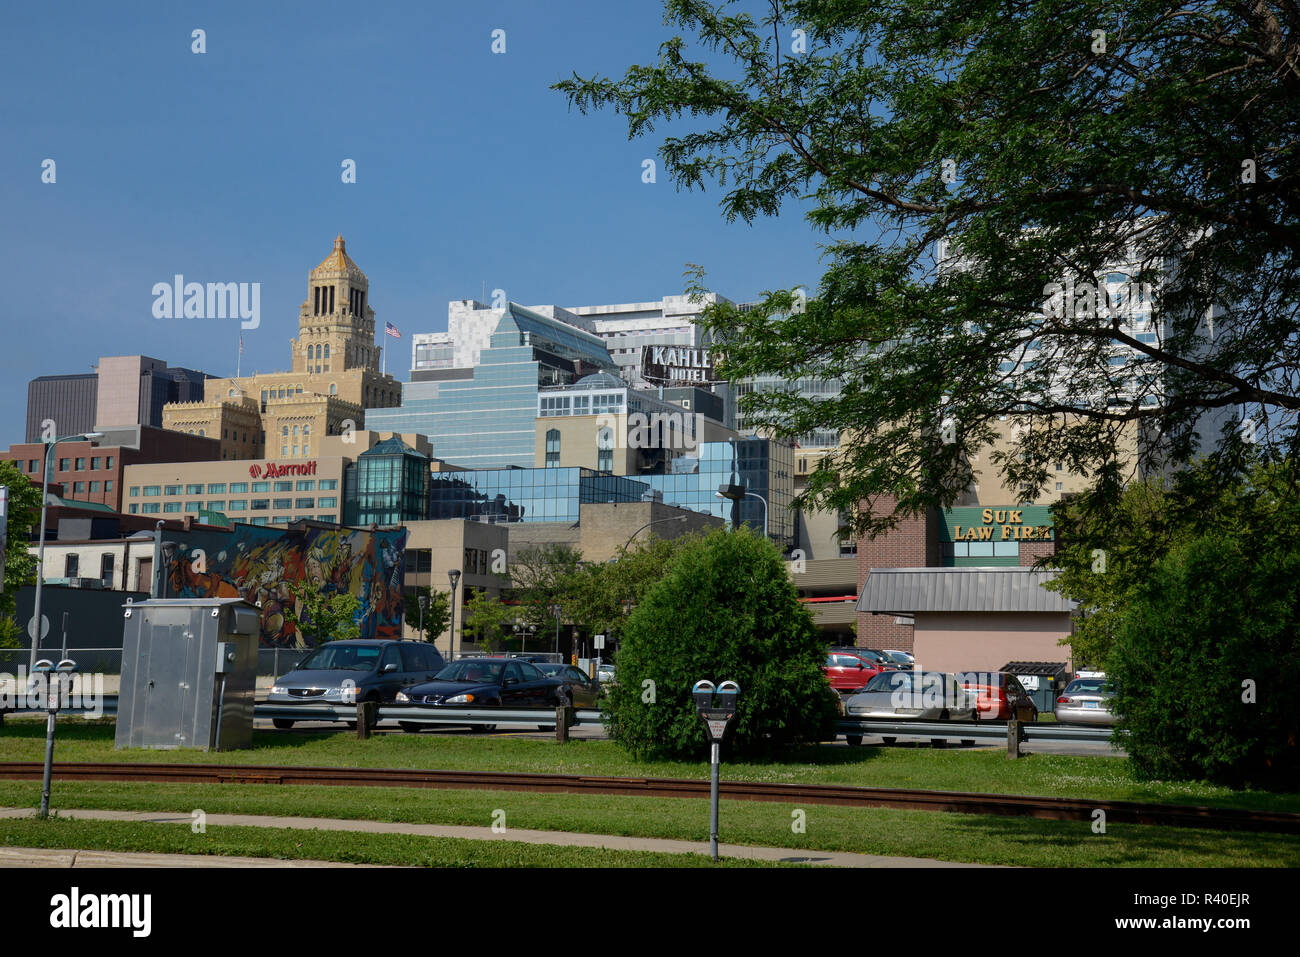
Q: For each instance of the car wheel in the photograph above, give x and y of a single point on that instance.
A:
(284, 724)
(853, 740)
(411, 727)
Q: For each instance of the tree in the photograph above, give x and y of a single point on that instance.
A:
(437, 611)
(325, 617)
(724, 610)
(1035, 145)
(485, 616)
(601, 595)
(541, 577)
(19, 563)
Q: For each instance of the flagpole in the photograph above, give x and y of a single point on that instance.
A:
(239, 358)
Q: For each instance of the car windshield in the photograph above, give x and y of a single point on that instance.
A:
(549, 669)
(477, 672)
(907, 680)
(342, 657)
(1089, 686)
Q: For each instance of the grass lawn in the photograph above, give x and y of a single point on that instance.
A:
(1090, 778)
(953, 837)
(347, 846)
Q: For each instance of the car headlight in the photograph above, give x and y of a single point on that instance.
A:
(401, 696)
(460, 699)
(277, 689)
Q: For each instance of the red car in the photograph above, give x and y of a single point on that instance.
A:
(999, 693)
(848, 672)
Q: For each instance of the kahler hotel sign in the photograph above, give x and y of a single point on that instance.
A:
(676, 365)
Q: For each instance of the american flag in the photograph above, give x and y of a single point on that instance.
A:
(391, 330)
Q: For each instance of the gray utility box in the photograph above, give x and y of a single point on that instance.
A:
(189, 668)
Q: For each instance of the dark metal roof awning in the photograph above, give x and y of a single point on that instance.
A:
(904, 591)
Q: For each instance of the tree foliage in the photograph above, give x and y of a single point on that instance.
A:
(541, 577)
(1207, 660)
(485, 617)
(964, 155)
(601, 595)
(322, 616)
(725, 609)
(437, 612)
(20, 564)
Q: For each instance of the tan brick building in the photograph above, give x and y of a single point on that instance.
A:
(334, 377)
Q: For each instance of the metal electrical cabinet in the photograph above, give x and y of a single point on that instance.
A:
(189, 669)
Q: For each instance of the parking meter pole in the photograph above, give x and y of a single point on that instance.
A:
(49, 765)
(713, 802)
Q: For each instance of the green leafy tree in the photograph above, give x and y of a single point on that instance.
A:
(541, 577)
(601, 595)
(437, 612)
(1207, 660)
(323, 617)
(962, 156)
(724, 610)
(485, 617)
(20, 564)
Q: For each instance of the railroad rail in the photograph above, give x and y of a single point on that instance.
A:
(1043, 808)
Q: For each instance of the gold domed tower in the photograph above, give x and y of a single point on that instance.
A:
(336, 326)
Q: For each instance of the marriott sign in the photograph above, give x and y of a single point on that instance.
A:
(676, 365)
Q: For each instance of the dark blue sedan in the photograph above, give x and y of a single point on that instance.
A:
(484, 683)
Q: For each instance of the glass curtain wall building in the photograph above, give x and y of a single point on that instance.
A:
(488, 421)
(387, 485)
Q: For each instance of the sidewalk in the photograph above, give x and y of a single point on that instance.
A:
(52, 857)
(610, 841)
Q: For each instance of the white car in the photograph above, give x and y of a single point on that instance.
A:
(914, 695)
(902, 657)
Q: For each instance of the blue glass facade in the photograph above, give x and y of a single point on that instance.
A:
(555, 494)
(488, 421)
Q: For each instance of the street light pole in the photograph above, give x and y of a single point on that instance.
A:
(765, 509)
(556, 610)
(675, 518)
(40, 547)
(453, 576)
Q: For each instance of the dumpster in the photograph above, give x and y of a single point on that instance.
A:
(189, 669)
(1042, 679)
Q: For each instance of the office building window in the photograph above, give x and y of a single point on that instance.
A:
(63, 465)
(238, 487)
(237, 505)
(94, 486)
(193, 506)
(304, 503)
(327, 501)
(194, 489)
(81, 465)
(217, 506)
(135, 508)
(171, 506)
(108, 486)
(33, 465)
(150, 508)
(108, 462)
(327, 485)
(78, 488)
(552, 448)
(284, 450)
(106, 569)
(261, 487)
(260, 504)
(71, 565)
(605, 450)
(307, 485)
(284, 486)
(327, 518)
(152, 490)
(95, 463)
(280, 503)
(171, 490)
(217, 488)
(280, 520)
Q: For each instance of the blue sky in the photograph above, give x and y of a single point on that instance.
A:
(225, 167)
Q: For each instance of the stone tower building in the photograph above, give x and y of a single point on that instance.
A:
(334, 376)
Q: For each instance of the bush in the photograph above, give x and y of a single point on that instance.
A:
(724, 610)
(1212, 615)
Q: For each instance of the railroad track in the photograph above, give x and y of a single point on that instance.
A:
(1011, 805)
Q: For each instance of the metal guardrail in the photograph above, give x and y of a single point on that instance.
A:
(1046, 731)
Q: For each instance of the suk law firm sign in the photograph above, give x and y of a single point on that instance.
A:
(979, 536)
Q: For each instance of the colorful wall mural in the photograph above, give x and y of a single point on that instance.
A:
(258, 564)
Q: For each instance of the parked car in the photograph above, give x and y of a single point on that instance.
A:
(913, 695)
(848, 672)
(876, 659)
(607, 674)
(355, 669)
(1087, 701)
(583, 691)
(998, 694)
(484, 683)
(904, 659)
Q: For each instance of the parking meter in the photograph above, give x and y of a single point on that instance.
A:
(57, 681)
(718, 717)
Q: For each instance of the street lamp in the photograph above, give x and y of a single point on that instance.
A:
(453, 576)
(40, 549)
(719, 494)
(423, 602)
(675, 518)
(556, 610)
